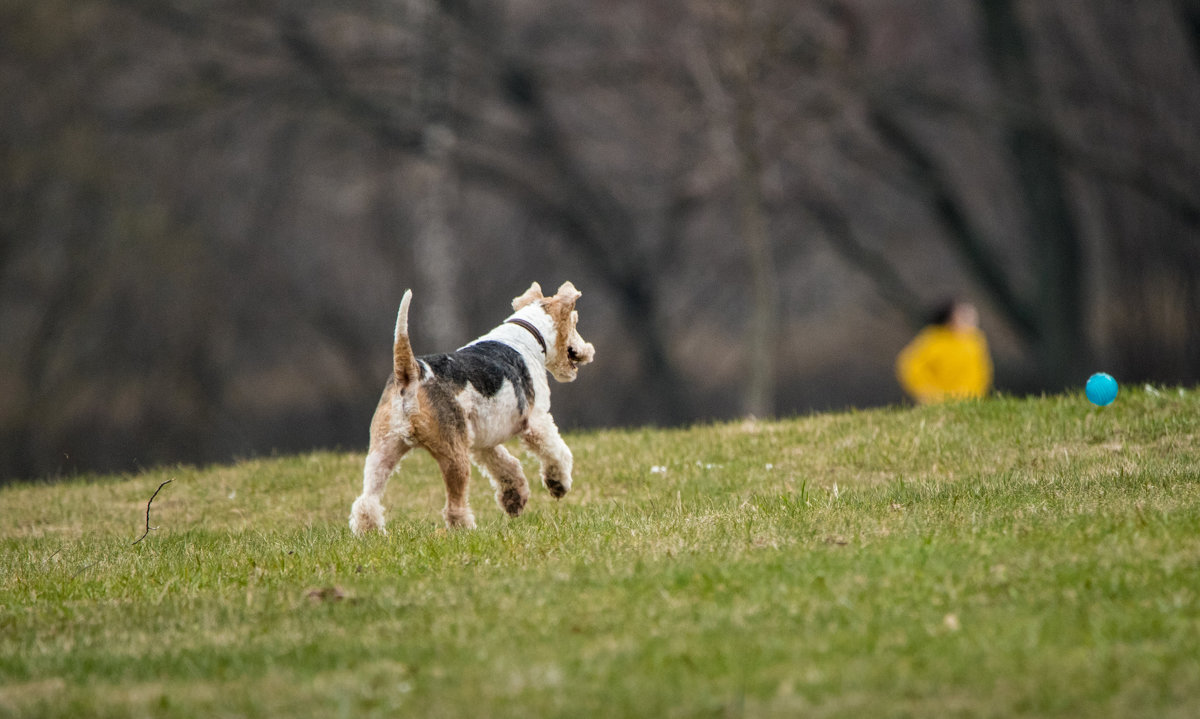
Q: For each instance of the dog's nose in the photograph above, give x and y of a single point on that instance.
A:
(581, 356)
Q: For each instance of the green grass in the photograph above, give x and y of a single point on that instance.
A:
(1012, 557)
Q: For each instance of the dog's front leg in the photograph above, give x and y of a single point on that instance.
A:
(541, 437)
(508, 479)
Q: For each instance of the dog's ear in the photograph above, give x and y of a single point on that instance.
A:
(567, 293)
(533, 294)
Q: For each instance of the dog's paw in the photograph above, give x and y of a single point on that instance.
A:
(366, 515)
(512, 501)
(557, 483)
(459, 519)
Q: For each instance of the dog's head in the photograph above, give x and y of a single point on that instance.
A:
(566, 350)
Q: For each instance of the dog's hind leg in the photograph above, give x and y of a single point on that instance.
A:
(541, 437)
(367, 512)
(456, 472)
(507, 477)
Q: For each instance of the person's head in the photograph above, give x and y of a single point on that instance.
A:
(956, 315)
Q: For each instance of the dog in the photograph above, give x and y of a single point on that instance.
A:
(464, 405)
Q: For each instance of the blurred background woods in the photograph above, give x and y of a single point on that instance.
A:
(209, 210)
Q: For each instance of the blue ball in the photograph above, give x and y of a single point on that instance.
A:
(1101, 389)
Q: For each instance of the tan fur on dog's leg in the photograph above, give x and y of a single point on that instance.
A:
(512, 491)
(456, 473)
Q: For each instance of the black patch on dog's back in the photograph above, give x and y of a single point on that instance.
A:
(485, 366)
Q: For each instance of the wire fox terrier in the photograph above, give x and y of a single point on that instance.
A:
(464, 405)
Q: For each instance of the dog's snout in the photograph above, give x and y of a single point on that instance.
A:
(581, 354)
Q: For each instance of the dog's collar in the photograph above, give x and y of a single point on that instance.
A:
(532, 330)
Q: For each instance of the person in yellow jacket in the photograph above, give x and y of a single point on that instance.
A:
(947, 360)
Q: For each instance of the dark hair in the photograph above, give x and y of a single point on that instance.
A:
(942, 312)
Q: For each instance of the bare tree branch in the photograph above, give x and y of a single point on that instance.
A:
(955, 219)
(310, 56)
(881, 269)
(1148, 181)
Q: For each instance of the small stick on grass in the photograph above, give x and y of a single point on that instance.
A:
(148, 527)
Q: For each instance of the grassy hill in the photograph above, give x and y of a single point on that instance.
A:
(1014, 557)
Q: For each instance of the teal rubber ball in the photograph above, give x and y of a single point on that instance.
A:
(1101, 389)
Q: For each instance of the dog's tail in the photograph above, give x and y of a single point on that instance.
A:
(404, 363)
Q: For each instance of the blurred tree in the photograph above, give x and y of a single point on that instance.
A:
(1053, 321)
(531, 162)
(726, 67)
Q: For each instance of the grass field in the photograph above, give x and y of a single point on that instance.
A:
(1013, 557)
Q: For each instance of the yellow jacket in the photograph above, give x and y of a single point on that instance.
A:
(942, 363)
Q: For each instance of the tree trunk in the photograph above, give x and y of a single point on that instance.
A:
(764, 318)
(1061, 342)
